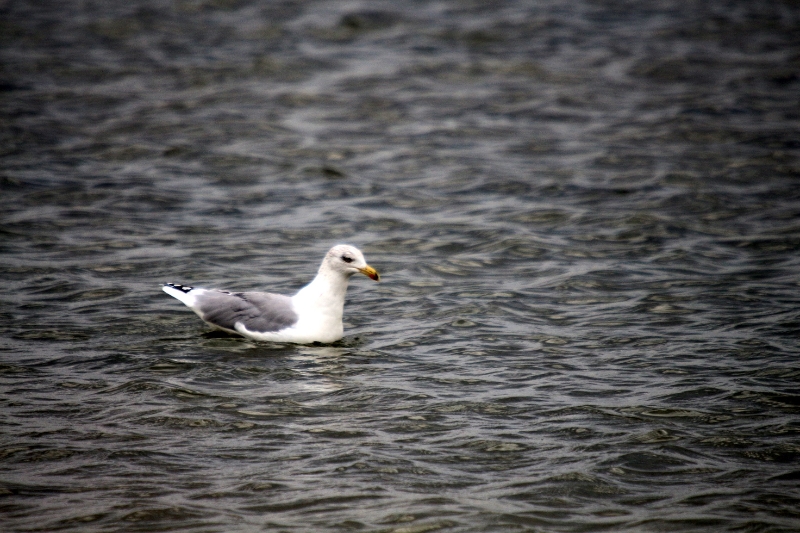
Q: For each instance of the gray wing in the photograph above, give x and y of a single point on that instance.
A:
(258, 311)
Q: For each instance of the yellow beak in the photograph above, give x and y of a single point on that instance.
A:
(370, 272)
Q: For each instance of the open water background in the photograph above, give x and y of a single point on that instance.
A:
(587, 218)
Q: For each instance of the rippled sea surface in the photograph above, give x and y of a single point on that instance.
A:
(587, 219)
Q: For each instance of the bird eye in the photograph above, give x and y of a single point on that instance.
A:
(347, 259)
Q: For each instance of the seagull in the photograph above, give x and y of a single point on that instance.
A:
(312, 315)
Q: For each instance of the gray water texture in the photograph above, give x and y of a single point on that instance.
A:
(587, 219)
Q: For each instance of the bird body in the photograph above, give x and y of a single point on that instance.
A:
(313, 314)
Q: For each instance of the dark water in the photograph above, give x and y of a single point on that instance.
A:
(586, 214)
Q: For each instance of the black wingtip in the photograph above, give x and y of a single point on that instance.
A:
(178, 286)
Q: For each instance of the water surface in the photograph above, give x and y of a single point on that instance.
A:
(587, 220)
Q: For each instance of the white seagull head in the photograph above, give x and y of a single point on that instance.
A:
(348, 260)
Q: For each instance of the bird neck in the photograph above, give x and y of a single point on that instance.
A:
(326, 290)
